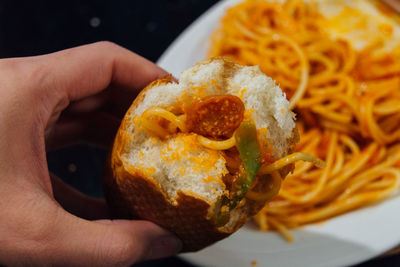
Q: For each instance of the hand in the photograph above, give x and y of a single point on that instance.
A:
(51, 101)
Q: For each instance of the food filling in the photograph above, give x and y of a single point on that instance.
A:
(220, 124)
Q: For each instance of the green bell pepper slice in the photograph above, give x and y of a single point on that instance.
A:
(250, 153)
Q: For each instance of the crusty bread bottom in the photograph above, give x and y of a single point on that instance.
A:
(135, 197)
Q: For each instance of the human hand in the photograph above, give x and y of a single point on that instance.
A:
(51, 101)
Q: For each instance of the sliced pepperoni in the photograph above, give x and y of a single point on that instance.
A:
(216, 116)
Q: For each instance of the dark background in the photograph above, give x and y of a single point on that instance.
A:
(146, 27)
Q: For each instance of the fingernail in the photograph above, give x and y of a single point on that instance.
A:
(164, 246)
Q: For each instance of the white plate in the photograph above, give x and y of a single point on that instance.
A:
(342, 241)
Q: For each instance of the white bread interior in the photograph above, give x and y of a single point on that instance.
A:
(180, 163)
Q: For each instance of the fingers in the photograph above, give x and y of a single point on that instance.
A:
(78, 203)
(36, 231)
(55, 80)
(36, 90)
(89, 104)
(111, 243)
(75, 241)
(87, 70)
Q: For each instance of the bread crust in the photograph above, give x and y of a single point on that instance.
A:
(131, 194)
(135, 196)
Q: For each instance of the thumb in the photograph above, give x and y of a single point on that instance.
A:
(111, 243)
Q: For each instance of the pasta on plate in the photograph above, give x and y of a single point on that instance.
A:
(347, 98)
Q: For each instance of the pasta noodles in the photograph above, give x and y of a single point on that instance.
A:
(217, 145)
(347, 101)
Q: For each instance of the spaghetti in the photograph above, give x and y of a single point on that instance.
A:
(348, 102)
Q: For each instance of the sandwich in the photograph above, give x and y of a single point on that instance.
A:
(202, 155)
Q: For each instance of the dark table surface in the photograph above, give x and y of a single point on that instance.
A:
(146, 27)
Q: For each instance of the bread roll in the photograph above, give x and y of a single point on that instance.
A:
(175, 181)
